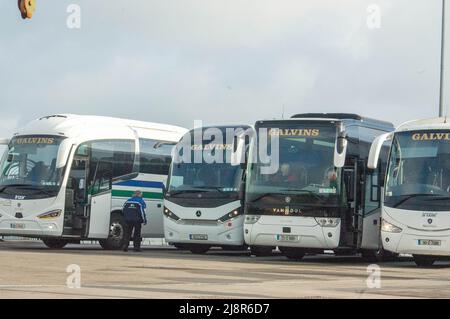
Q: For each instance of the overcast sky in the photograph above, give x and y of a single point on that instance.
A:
(221, 61)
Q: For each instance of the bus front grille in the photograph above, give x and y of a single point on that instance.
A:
(199, 222)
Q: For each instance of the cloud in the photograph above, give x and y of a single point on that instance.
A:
(222, 61)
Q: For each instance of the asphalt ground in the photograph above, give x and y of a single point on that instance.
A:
(30, 270)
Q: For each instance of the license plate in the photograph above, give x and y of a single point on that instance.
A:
(198, 237)
(17, 226)
(287, 238)
(429, 242)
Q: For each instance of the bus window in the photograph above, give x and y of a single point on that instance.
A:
(155, 156)
(118, 152)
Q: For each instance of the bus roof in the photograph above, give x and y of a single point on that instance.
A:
(425, 124)
(348, 119)
(342, 116)
(70, 125)
(222, 127)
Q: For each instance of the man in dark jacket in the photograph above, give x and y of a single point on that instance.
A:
(134, 216)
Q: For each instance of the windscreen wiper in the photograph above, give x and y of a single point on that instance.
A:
(211, 188)
(441, 197)
(4, 187)
(191, 190)
(305, 191)
(412, 196)
(262, 196)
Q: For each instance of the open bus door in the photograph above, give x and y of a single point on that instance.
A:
(99, 210)
(76, 200)
(351, 229)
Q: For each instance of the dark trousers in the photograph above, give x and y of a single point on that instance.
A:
(135, 229)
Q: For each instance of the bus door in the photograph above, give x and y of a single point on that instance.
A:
(76, 197)
(372, 209)
(100, 193)
(353, 214)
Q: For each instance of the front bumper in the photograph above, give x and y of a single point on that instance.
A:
(29, 228)
(408, 243)
(305, 236)
(217, 235)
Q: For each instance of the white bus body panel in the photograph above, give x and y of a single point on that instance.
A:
(371, 230)
(415, 226)
(151, 186)
(309, 233)
(99, 218)
(30, 224)
(226, 233)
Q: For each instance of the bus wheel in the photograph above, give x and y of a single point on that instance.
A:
(116, 234)
(379, 255)
(424, 261)
(234, 248)
(261, 251)
(199, 249)
(293, 253)
(180, 246)
(54, 243)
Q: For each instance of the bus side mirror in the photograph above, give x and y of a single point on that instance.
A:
(239, 151)
(375, 149)
(242, 191)
(63, 153)
(4, 141)
(340, 151)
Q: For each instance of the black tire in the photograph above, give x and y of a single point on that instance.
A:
(55, 243)
(180, 246)
(234, 248)
(261, 251)
(115, 240)
(199, 249)
(379, 255)
(424, 261)
(293, 253)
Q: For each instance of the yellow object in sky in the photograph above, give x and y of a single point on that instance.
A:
(27, 8)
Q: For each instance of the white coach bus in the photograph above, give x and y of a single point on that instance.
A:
(322, 197)
(416, 205)
(204, 198)
(64, 178)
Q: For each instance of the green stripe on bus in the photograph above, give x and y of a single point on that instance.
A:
(150, 195)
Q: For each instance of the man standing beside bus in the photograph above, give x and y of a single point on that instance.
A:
(134, 216)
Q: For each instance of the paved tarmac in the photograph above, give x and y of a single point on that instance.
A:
(29, 270)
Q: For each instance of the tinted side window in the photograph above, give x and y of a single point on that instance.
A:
(120, 153)
(155, 156)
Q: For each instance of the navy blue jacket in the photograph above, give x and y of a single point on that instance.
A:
(134, 210)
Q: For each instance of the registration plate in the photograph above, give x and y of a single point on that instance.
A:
(198, 237)
(287, 238)
(17, 226)
(429, 242)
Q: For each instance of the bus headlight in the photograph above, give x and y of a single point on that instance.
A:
(168, 213)
(251, 219)
(327, 222)
(52, 214)
(231, 215)
(389, 228)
